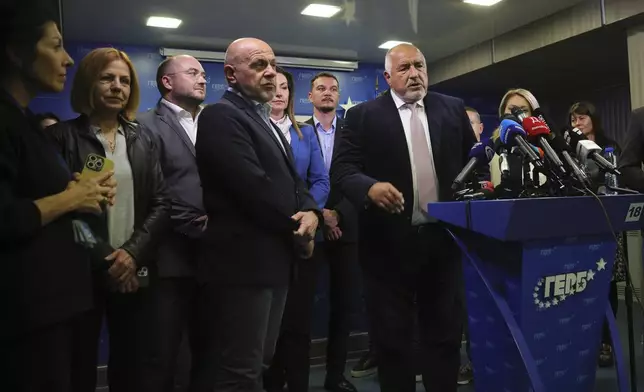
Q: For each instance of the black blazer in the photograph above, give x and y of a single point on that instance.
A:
(46, 277)
(337, 201)
(177, 254)
(373, 148)
(250, 191)
(632, 156)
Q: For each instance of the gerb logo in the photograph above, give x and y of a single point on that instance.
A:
(554, 289)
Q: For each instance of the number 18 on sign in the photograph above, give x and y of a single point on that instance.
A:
(634, 212)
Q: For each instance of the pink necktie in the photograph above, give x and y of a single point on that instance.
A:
(423, 161)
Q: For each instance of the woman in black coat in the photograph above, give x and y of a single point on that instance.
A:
(106, 94)
(46, 292)
(584, 116)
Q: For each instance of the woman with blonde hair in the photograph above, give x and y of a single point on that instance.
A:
(514, 99)
(106, 94)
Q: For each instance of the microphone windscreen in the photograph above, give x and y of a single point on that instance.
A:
(486, 185)
(483, 150)
(558, 143)
(534, 127)
(508, 129)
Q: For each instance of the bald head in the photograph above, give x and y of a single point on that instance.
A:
(181, 80)
(406, 72)
(249, 66)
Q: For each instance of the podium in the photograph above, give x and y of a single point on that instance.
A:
(537, 275)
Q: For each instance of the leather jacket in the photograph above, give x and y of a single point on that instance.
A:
(76, 140)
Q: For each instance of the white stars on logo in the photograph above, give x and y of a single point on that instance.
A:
(601, 265)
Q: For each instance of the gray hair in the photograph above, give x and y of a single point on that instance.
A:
(388, 57)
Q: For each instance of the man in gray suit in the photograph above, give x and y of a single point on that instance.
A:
(172, 124)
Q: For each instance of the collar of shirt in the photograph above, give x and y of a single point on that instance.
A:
(178, 110)
(319, 126)
(283, 124)
(400, 103)
(98, 130)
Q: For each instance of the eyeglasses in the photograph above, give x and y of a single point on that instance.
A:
(194, 73)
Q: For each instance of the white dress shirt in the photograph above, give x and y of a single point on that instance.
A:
(188, 123)
(418, 217)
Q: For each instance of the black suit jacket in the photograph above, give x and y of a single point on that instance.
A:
(372, 148)
(250, 191)
(177, 255)
(632, 157)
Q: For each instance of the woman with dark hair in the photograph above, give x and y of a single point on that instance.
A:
(584, 116)
(290, 363)
(46, 292)
(106, 94)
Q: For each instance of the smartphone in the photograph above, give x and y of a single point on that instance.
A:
(96, 165)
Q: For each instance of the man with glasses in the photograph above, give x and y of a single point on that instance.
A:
(181, 80)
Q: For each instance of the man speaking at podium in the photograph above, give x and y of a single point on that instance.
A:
(398, 153)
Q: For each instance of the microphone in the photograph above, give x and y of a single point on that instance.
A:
(502, 152)
(480, 153)
(588, 149)
(482, 194)
(537, 130)
(511, 133)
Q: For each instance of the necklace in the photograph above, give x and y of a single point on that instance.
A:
(112, 145)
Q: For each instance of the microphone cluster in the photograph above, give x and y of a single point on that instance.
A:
(534, 161)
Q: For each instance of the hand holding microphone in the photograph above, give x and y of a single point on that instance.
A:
(481, 153)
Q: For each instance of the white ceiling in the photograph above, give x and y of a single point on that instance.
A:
(444, 27)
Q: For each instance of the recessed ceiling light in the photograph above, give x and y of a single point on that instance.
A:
(161, 21)
(321, 10)
(485, 3)
(390, 44)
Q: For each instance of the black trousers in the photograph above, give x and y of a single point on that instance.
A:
(428, 283)
(243, 325)
(55, 358)
(175, 303)
(291, 361)
(129, 322)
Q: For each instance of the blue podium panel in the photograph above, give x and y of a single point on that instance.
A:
(555, 217)
(555, 292)
(537, 274)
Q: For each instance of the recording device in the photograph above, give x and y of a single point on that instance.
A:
(512, 134)
(481, 153)
(537, 132)
(587, 149)
(504, 164)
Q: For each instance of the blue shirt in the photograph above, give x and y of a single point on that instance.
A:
(327, 140)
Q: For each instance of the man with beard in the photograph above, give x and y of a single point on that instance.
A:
(181, 80)
(338, 249)
(260, 216)
(397, 154)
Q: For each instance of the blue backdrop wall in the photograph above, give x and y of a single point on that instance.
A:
(359, 85)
